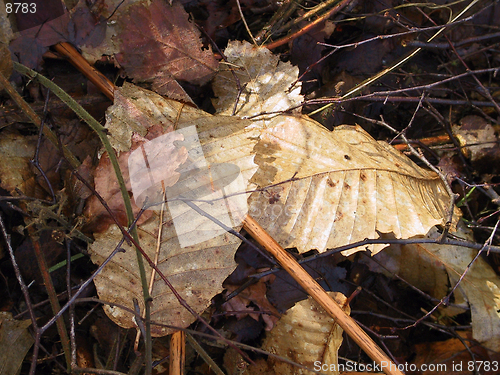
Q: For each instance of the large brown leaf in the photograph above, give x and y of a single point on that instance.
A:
(198, 270)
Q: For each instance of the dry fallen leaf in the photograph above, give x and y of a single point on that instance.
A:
(15, 341)
(16, 151)
(339, 187)
(197, 270)
(306, 334)
(160, 45)
(434, 267)
(264, 79)
(328, 189)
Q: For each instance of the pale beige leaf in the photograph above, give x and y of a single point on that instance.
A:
(346, 187)
(306, 334)
(264, 79)
(196, 271)
(16, 151)
(15, 341)
(433, 267)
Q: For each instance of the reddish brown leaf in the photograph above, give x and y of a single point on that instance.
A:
(77, 27)
(161, 46)
(255, 293)
(452, 357)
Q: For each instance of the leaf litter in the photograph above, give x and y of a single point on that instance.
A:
(323, 199)
(159, 45)
(488, 288)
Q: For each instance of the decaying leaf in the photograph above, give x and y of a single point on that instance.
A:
(160, 45)
(434, 267)
(266, 82)
(306, 334)
(196, 271)
(339, 187)
(16, 151)
(15, 341)
(316, 190)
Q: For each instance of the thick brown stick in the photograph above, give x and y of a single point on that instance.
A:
(177, 353)
(316, 291)
(95, 76)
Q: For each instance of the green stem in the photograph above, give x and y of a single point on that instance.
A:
(101, 132)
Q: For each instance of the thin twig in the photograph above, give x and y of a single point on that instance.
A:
(245, 23)
(401, 62)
